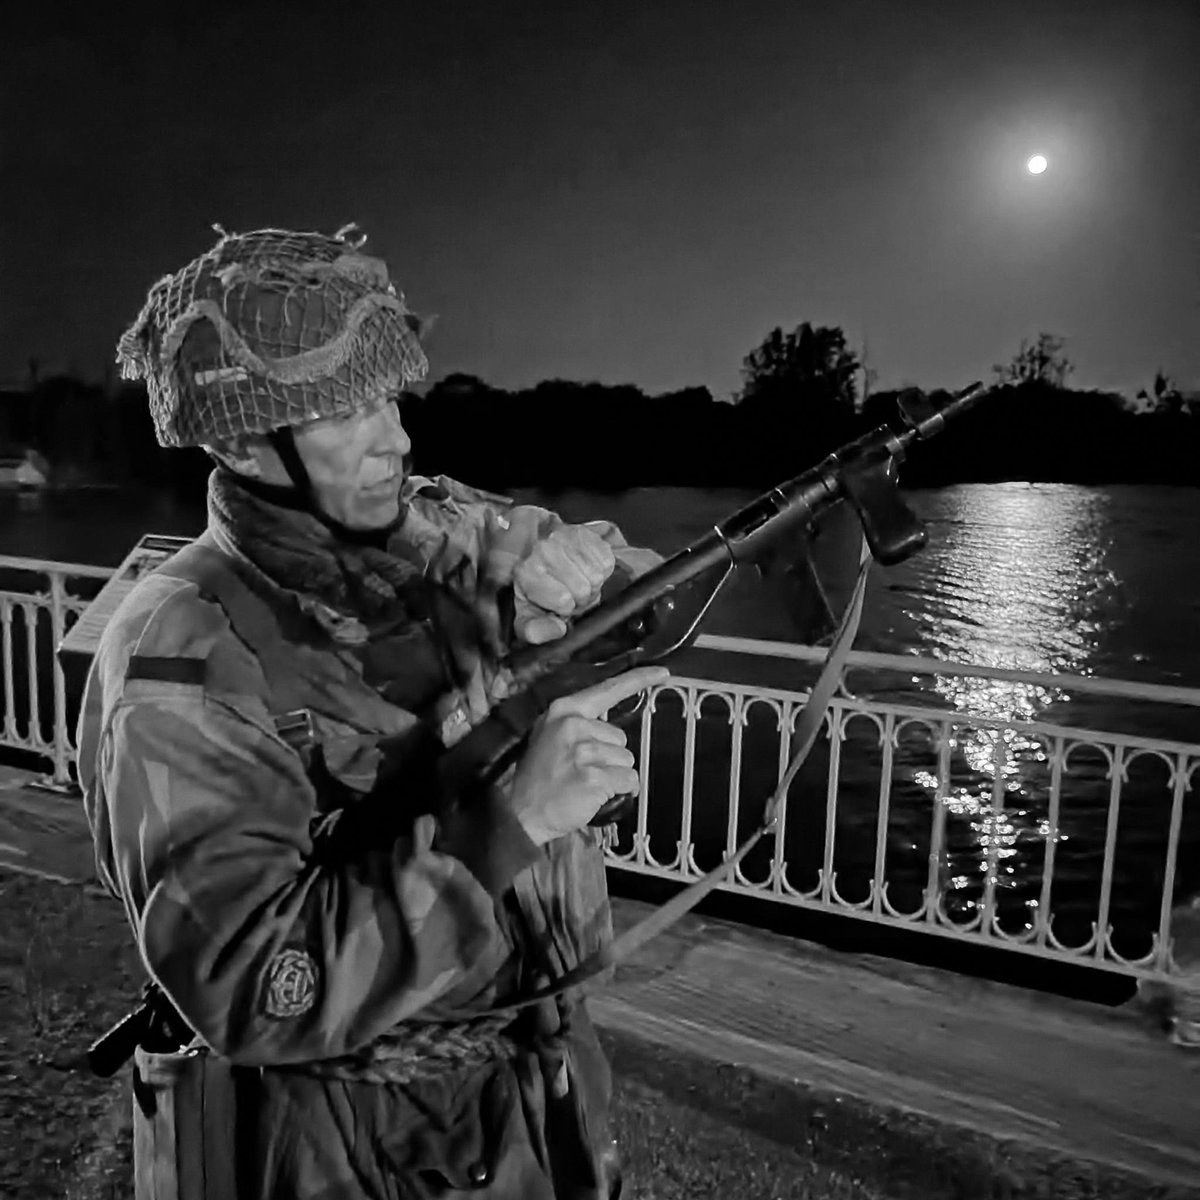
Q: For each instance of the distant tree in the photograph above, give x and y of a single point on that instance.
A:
(459, 383)
(869, 377)
(1168, 399)
(810, 362)
(1040, 361)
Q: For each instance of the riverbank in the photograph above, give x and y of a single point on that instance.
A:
(747, 1063)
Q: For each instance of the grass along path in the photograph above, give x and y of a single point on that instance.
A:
(67, 971)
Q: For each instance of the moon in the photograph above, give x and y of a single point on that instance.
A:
(1037, 164)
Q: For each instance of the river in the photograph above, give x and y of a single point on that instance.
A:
(1050, 577)
(1092, 581)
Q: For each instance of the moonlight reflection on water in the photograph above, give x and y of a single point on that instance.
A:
(1029, 589)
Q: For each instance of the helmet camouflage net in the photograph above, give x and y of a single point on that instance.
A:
(268, 329)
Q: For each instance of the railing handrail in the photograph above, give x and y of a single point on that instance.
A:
(907, 713)
(1163, 693)
(10, 562)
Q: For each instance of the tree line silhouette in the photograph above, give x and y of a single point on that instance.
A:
(800, 400)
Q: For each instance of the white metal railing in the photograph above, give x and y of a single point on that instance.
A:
(946, 739)
(870, 660)
(55, 604)
(958, 770)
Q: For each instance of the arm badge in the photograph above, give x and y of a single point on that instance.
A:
(291, 984)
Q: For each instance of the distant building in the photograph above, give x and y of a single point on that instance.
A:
(28, 472)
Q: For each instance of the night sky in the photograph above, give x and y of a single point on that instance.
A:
(628, 191)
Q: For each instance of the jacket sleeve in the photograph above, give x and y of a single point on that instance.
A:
(273, 952)
(632, 561)
(454, 525)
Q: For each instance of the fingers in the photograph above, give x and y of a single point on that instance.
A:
(596, 554)
(565, 570)
(620, 781)
(593, 701)
(605, 756)
(586, 729)
(536, 631)
(570, 561)
(542, 587)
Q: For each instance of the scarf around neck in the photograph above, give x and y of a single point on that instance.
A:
(383, 602)
(300, 553)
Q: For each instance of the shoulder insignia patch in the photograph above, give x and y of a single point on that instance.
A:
(291, 984)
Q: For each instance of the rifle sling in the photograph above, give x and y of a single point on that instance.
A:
(808, 724)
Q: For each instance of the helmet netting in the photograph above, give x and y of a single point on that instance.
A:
(268, 329)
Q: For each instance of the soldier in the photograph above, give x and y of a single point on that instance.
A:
(255, 748)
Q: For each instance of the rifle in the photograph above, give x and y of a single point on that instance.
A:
(660, 613)
(653, 618)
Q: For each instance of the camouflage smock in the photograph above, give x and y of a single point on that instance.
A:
(210, 830)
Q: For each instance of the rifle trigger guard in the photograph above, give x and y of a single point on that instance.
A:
(623, 712)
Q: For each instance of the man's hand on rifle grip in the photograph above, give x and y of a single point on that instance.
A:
(554, 575)
(575, 762)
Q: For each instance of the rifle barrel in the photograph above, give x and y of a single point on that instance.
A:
(739, 537)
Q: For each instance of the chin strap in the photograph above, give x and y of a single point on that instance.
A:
(283, 442)
(302, 494)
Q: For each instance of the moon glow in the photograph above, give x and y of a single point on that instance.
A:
(1037, 164)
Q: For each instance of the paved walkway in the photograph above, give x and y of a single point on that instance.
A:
(1058, 1082)
(933, 1079)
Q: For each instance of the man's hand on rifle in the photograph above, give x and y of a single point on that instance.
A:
(576, 762)
(554, 575)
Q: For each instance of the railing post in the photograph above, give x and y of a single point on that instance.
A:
(879, 876)
(937, 832)
(1103, 932)
(1180, 780)
(1058, 753)
(62, 745)
(993, 824)
(833, 784)
(10, 700)
(641, 837)
(33, 725)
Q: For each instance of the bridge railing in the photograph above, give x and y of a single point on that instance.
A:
(931, 809)
(32, 623)
(925, 812)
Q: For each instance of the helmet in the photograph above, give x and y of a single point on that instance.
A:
(269, 330)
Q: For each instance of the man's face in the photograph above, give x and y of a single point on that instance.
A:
(356, 465)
